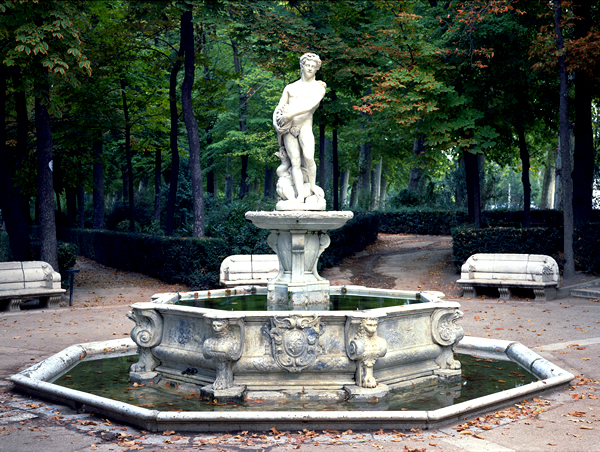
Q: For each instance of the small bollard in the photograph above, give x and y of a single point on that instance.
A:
(71, 274)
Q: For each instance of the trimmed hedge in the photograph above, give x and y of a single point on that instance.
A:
(586, 247)
(193, 262)
(421, 221)
(352, 237)
(5, 253)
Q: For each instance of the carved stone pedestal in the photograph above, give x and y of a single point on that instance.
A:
(298, 238)
(234, 394)
(360, 394)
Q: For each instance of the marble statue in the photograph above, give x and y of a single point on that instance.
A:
(293, 120)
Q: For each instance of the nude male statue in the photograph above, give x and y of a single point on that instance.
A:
(293, 120)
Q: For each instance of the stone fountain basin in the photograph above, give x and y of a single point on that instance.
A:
(37, 380)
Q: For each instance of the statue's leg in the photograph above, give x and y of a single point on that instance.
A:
(293, 149)
(307, 142)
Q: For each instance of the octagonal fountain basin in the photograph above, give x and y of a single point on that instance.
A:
(296, 366)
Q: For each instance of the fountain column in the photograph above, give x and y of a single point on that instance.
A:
(298, 238)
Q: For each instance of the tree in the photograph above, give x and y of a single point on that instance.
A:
(565, 146)
(187, 43)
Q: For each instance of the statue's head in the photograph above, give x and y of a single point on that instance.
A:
(310, 57)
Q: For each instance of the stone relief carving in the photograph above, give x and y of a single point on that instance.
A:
(224, 348)
(448, 334)
(365, 348)
(295, 341)
(146, 333)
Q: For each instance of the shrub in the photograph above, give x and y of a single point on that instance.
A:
(467, 241)
(421, 221)
(586, 246)
(406, 198)
(5, 252)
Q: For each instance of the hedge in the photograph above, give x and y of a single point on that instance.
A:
(193, 262)
(586, 247)
(467, 241)
(421, 221)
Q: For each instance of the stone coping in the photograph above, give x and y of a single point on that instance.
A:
(37, 379)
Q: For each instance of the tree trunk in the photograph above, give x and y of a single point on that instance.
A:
(187, 32)
(376, 185)
(524, 153)
(473, 188)
(583, 155)
(128, 157)
(243, 100)
(354, 195)
(98, 222)
(12, 214)
(565, 147)
(71, 195)
(47, 229)
(22, 135)
(344, 190)
(548, 185)
(157, 183)
(268, 191)
(336, 170)
(174, 180)
(416, 179)
(81, 206)
(228, 180)
(365, 161)
(322, 155)
(382, 192)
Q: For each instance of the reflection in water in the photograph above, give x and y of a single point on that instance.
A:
(109, 378)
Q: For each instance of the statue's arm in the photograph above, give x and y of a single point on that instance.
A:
(310, 105)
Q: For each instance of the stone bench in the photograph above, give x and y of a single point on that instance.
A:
(21, 281)
(511, 271)
(244, 270)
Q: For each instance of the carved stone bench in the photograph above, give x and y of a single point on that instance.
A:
(244, 270)
(510, 271)
(21, 281)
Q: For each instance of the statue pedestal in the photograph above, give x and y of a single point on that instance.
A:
(298, 238)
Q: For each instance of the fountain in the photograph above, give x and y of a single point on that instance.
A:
(296, 349)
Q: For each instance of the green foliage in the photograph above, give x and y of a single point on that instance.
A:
(586, 244)
(193, 262)
(405, 198)
(5, 253)
(467, 241)
(352, 237)
(420, 221)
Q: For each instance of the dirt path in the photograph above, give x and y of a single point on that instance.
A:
(402, 262)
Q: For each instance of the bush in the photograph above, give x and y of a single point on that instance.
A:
(5, 252)
(193, 262)
(421, 221)
(467, 241)
(405, 198)
(352, 237)
(586, 246)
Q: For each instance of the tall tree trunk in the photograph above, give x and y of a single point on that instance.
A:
(174, 180)
(336, 170)
(47, 229)
(382, 192)
(16, 224)
(344, 190)
(81, 206)
(473, 188)
(187, 34)
(524, 153)
(98, 221)
(547, 201)
(322, 155)
(243, 100)
(583, 155)
(376, 185)
(128, 157)
(22, 134)
(565, 147)
(268, 191)
(365, 162)
(157, 183)
(354, 195)
(228, 179)
(71, 195)
(416, 178)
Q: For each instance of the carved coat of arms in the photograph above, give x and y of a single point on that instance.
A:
(295, 341)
